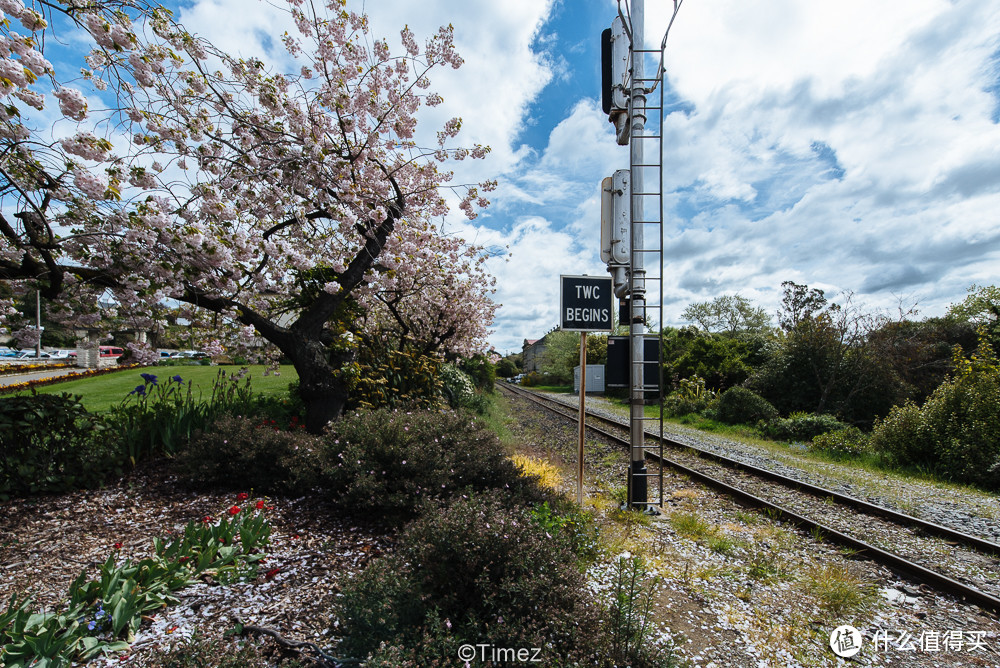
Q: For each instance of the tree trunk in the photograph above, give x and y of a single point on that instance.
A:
(321, 388)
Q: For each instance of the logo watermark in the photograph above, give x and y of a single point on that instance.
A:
(846, 641)
(486, 652)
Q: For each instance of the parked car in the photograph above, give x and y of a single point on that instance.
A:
(8, 352)
(30, 354)
(112, 351)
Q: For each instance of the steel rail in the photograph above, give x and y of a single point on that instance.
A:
(893, 561)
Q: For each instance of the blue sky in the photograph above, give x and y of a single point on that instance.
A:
(850, 146)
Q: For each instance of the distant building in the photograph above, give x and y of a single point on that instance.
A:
(531, 354)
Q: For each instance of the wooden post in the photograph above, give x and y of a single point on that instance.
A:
(583, 400)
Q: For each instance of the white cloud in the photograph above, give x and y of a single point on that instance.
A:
(528, 283)
(850, 145)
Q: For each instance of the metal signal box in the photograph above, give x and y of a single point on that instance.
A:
(616, 218)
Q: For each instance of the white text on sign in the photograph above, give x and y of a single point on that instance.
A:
(587, 314)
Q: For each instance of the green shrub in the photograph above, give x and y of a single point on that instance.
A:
(574, 528)
(691, 397)
(898, 437)
(956, 433)
(386, 377)
(531, 379)
(253, 453)
(51, 443)
(738, 405)
(845, 443)
(482, 372)
(803, 426)
(394, 461)
(718, 359)
(456, 386)
(676, 405)
(475, 572)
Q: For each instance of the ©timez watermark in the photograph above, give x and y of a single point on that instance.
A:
(846, 641)
(485, 652)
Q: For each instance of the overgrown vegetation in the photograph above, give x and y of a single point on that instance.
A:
(848, 382)
(51, 443)
(394, 461)
(956, 433)
(516, 587)
(233, 435)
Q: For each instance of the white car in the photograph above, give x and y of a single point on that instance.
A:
(30, 354)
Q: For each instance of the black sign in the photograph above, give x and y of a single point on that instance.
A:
(617, 368)
(585, 304)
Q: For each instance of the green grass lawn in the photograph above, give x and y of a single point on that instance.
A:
(103, 392)
(560, 389)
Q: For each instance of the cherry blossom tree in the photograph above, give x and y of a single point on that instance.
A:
(275, 201)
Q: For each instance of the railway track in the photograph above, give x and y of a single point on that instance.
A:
(951, 561)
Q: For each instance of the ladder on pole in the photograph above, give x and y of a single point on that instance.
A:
(649, 226)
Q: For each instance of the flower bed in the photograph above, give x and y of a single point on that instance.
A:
(101, 616)
(14, 367)
(17, 387)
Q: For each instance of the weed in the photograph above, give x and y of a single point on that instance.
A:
(629, 618)
(630, 518)
(766, 566)
(838, 588)
(721, 544)
(691, 525)
(532, 467)
(619, 494)
(773, 514)
(686, 495)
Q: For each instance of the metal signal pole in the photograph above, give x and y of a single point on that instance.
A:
(637, 481)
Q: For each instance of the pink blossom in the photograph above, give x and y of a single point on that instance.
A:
(72, 103)
(92, 185)
(86, 145)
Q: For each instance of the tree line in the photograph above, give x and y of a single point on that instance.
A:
(921, 393)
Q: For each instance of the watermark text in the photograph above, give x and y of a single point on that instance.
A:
(486, 652)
